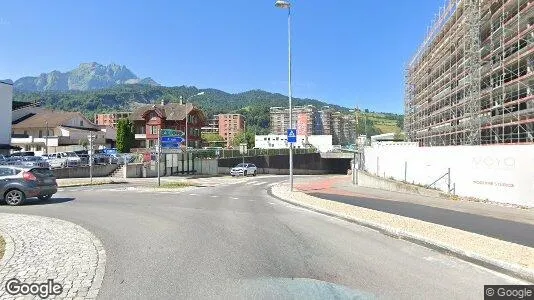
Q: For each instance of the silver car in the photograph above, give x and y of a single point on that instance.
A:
(18, 183)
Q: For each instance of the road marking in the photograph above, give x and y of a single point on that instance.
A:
(251, 200)
(235, 198)
(193, 194)
(250, 182)
(214, 196)
(261, 182)
(271, 203)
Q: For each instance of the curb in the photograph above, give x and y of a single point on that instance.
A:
(9, 249)
(89, 184)
(513, 270)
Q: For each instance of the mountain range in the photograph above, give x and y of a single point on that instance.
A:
(88, 76)
(93, 88)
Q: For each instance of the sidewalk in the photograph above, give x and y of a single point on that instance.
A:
(502, 222)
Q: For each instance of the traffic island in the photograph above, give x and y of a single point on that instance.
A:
(505, 257)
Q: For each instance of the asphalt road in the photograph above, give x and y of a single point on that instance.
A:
(515, 232)
(236, 241)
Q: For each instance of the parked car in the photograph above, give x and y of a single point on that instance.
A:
(244, 169)
(34, 161)
(56, 160)
(27, 153)
(18, 183)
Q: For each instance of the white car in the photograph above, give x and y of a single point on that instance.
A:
(244, 169)
(56, 160)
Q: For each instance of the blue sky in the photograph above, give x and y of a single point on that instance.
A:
(346, 52)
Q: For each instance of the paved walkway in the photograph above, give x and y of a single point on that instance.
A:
(506, 223)
(42, 248)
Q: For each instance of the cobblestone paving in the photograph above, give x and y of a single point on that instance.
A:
(42, 248)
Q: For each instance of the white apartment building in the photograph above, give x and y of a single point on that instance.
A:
(6, 101)
(323, 143)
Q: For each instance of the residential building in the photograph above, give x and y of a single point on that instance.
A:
(149, 119)
(6, 98)
(304, 119)
(212, 125)
(230, 125)
(325, 120)
(111, 119)
(322, 143)
(48, 131)
(471, 82)
(382, 137)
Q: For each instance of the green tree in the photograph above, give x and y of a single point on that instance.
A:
(244, 137)
(84, 143)
(125, 136)
(213, 139)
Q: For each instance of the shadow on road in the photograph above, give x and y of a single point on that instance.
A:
(35, 201)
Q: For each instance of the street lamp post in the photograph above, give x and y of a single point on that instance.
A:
(286, 5)
(187, 127)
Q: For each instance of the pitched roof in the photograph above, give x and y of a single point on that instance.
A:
(39, 119)
(171, 111)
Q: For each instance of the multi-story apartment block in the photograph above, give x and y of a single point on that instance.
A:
(230, 125)
(212, 126)
(6, 95)
(304, 120)
(111, 119)
(309, 121)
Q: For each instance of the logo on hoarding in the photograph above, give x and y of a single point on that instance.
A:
(494, 163)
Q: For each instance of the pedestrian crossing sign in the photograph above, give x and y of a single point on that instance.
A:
(291, 135)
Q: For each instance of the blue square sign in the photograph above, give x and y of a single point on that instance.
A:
(291, 135)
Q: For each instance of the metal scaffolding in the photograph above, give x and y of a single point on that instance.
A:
(471, 80)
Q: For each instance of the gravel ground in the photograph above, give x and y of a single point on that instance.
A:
(514, 258)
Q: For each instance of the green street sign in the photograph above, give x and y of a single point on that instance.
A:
(171, 132)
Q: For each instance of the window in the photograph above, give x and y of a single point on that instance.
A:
(151, 143)
(25, 132)
(6, 171)
(81, 123)
(40, 133)
(153, 129)
(38, 148)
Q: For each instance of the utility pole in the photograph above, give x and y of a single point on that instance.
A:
(186, 134)
(91, 158)
(46, 138)
(158, 151)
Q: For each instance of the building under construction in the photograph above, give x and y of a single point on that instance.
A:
(471, 82)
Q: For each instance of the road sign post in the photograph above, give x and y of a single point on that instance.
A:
(291, 135)
(291, 139)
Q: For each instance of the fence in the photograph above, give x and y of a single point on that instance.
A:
(500, 173)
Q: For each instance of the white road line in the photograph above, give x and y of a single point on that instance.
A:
(261, 182)
(271, 203)
(193, 194)
(235, 198)
(214, 196)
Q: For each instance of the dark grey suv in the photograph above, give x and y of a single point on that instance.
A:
(18, 183)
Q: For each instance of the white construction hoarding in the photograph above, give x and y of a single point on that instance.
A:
(499, 173)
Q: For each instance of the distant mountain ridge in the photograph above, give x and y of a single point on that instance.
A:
(88, 76)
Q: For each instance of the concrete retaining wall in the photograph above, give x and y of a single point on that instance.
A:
(226, 171)
(304, 164)
(372, 181)
(82, 172)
